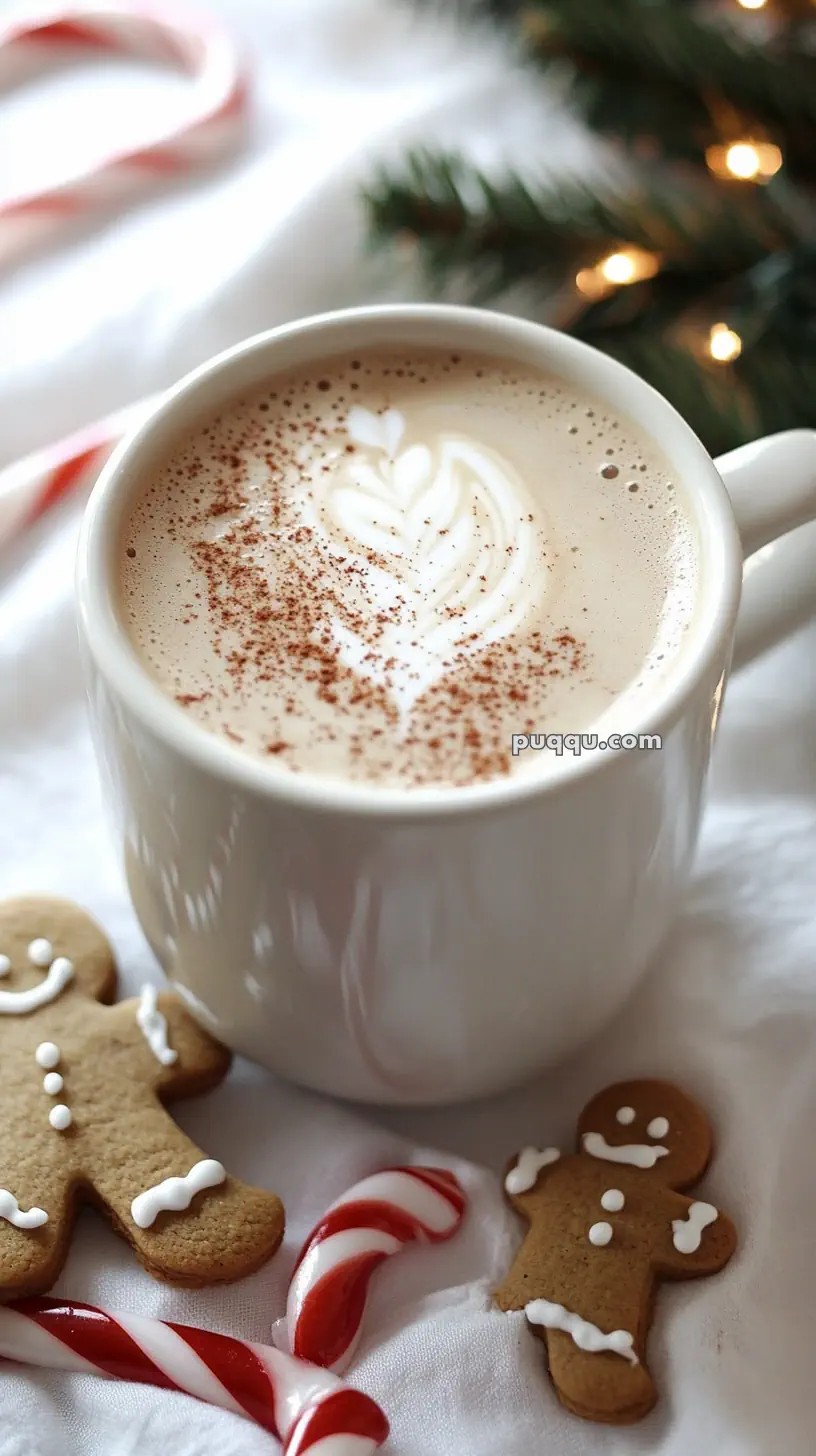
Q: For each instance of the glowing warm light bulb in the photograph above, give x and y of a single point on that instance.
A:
(618, 268)
(723, 343)
(752, 4)
(747, 161)
(590, 283)
(742, 159)
(629, 265)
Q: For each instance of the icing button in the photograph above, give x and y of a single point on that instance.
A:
(41, 953)
(47, 1055)
(600, 1234)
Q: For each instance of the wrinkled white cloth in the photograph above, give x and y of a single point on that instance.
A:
(730, 1008)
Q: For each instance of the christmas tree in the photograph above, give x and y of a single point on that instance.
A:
(698, 270)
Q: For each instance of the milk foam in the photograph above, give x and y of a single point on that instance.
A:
(458, 565)
(383, 569)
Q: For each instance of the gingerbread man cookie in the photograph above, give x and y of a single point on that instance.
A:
(83, 1085)
(606, 1224)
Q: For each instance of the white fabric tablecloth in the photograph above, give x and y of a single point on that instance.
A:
(730, 1009)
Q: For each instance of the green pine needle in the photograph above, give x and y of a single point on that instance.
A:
(665, 80)
(462, 217)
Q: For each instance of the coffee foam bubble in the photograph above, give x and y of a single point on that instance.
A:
(383, 568)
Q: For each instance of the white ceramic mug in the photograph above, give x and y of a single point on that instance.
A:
(426, 945)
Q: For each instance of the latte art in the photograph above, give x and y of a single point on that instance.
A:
(383, 567)
(450, 558)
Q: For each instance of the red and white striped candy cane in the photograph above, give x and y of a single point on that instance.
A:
(156, 32)
(31, 485)
(375, 1218)
(307, 1409)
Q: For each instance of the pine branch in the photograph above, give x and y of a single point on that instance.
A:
(514, 230)
(770, 304)
(725, 254)
(777, 299)
(646, 119)
(669, 43)
(657, 71)
(782, 382)
(721, 415)
(660, 75)
(771, 386)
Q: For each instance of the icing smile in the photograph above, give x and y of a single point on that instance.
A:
(640, 1155)
(18, 1003)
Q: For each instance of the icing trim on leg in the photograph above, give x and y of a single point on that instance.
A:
(582, 1332)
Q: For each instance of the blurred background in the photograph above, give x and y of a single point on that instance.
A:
(685, 246)
(636, 171)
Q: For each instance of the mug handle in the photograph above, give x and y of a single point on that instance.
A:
(772, 485)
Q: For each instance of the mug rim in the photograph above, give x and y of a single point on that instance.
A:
(106, 638)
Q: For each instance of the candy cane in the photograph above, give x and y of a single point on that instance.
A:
(158, 32)
(30, 486)
(375, 1218)
(306, 1408)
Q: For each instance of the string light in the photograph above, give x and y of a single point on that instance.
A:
(591, 284)
(752, 4)
(618, 268)
(747, 161)
(626, 265)
(724, 344)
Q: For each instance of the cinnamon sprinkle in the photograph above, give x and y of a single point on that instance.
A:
(281, 606)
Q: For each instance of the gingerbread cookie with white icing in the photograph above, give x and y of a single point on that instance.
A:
(606, 1225)
(83, 1120)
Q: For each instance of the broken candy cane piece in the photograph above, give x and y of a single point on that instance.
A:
(375, 1218)
(308, 1409)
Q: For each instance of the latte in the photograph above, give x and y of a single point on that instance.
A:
(382, 567)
